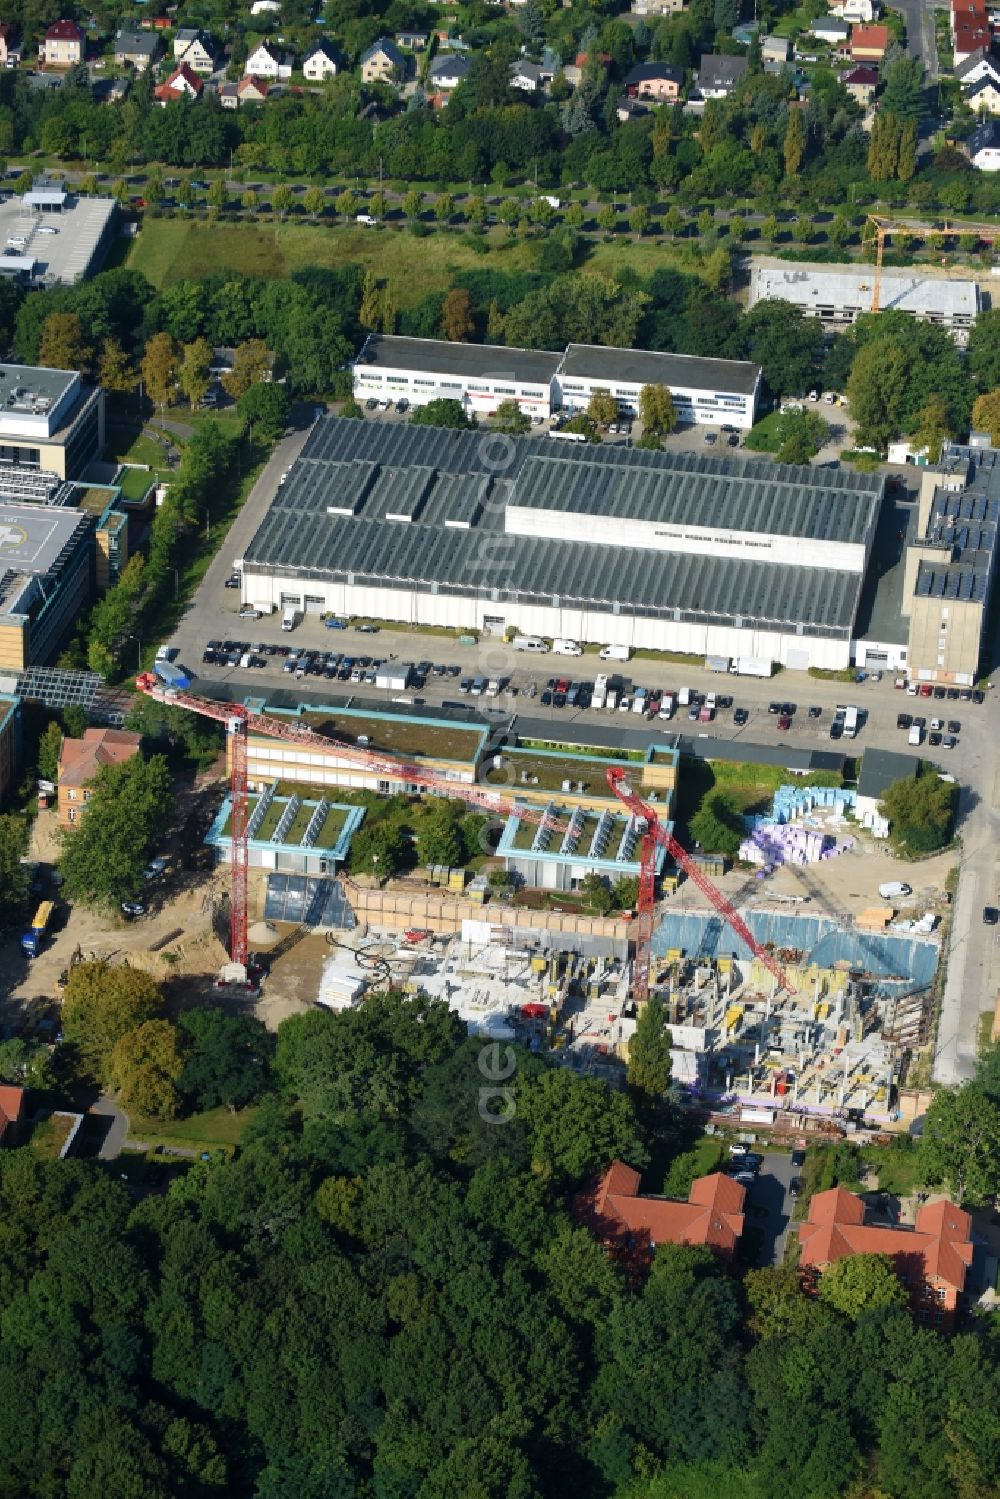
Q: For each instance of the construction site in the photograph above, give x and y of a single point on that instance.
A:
(789, 997)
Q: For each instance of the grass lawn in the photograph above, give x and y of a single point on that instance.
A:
(129, 444)
(168, 249)
(765, 436)
(899, 1171)
(215, 1129)
(134, 482)
(49, 1136)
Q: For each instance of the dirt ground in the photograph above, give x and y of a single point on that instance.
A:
(845, 885)
(181, 943)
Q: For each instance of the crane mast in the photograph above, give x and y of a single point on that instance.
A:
(240, 722)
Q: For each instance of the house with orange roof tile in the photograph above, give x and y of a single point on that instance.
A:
(931, 1258)
(11, 1112)
(868, 43)
(79, 762)
(182, 83)
(622, 1219)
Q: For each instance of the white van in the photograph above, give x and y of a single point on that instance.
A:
(530, 643)
(916, 735)
(894, 890)
(615, 653)
(684, 697)
(290, 619)
(566, 648)
(366, 218)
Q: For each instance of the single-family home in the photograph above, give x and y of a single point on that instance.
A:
(265, 7)
(183, 83)
(413, 41)
(137, 49)
(775, 49)
(983, 98)
(970, 30)
(227, 96)
(251, 90)
(980, 65)
(447, 71)
(265, 61)
(196, 50)
(657, 7)
(633, 1226)
(868, 43)
(526, 76)
(983, 146)
(718, 75)
(654, 80)
(830, 29)
(321, 62)
(10, 51)
(931, 1258)
(80, 760)
(383, 62)
(63, 45)
(11, 1112)
(858, 12)
(861, 84)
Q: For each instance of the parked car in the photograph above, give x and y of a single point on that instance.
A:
(990, 915)
(740, 717)
(133, 908)
(234, 580)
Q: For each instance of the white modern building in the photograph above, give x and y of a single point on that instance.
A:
(840, 297)
(710, 391)
(653, 550)
(479, 375)
(705, 391)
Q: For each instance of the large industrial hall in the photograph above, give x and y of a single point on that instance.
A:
(651, 550)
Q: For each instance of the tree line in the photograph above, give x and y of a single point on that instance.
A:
(385, 1292)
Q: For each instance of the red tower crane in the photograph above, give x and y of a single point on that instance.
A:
(240, 722)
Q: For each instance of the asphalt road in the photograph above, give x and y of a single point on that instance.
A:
(111, 1145)
(920, 39)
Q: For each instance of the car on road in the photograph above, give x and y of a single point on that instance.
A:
(954, 727)
(919, 722)
(788, 709)
(976, 697)
(903, 720)
(774, 708)
(798, 1156)
(784, 722)
(234, 580)
(990, 915)
(248, 611)
(815, 712)
(739, 1148)
(939, 693)
(710, 438)
(367, 629)
(837, 729)
(936, 724)
(794, 1187)
(934, 740)
(133, 908)
(745, 1178)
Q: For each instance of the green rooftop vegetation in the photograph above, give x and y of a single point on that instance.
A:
(328, 836)
(402, 736)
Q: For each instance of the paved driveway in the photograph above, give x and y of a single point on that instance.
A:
(771, 1207)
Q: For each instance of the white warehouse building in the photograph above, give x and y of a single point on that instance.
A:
(663, 551)
(706, 392)
(480, 376)
(390, 368)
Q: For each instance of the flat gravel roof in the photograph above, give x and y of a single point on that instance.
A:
(436, 356)
(645, 367)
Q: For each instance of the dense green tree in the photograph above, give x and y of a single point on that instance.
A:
(656, 410)
(266, 408)
(787, 345)
(509, 417)
(861, 1283)
(961, 1143)
(145, 1066)
(101, 1004)
(921, 811)
(442, 413)
(575, 1125)
(227, 1059)
(717, 826)
(649, 1066)
(104, 853)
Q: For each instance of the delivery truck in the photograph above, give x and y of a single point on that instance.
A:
(752, 666)
(850, 722)
(599, 696)
(716, 663)
(31, 942)
(172, 676)
(615, 653)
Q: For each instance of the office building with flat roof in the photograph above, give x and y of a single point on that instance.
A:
(839, 297)
(50, 421)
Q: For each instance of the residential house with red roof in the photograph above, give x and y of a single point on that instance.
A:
(931, 1258)
(81, 759)
(868, 43)
(63, 45)
(626, 1221)
(11, 1112)
(183, 83)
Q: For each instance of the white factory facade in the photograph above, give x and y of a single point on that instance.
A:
(673, 552)
(705, 391)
